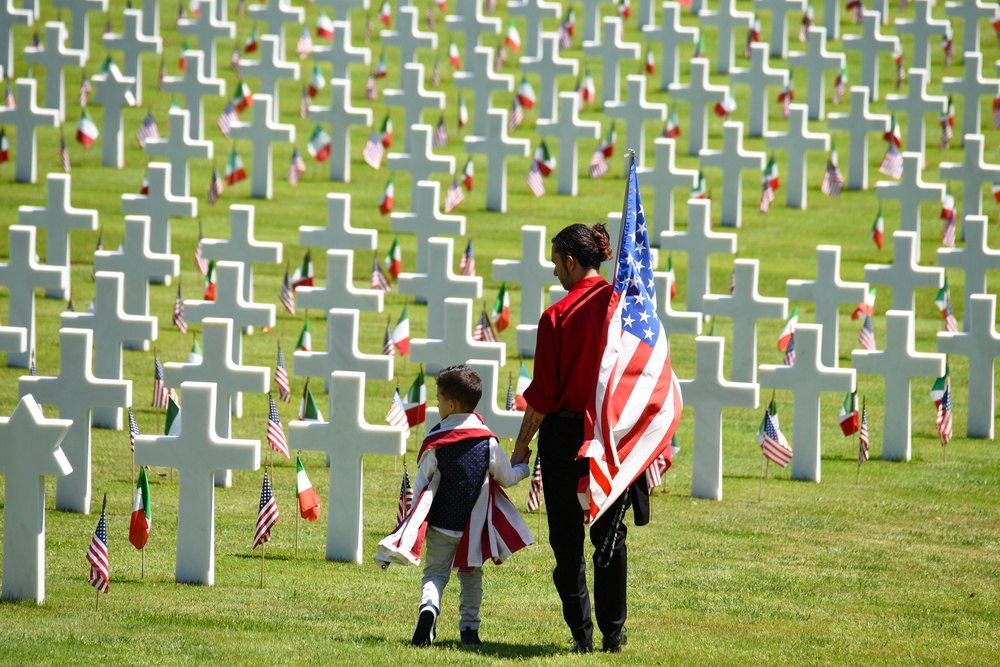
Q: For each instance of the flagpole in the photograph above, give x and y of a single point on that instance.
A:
(142, 572)
(760, 487)
(857, 479)
(263, 545)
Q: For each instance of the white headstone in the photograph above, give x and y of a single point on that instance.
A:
(916, 104)
(340, 116)
(745, 306)
(699, 94)
(114, 91)
(534, 12)
(262, 132)
(708, 394)
(549, 65)
(426, 222)
(669, 35)
(635, 112)
(923, 27)
(270, 69)
(727, 19)
(795, 142)
(342, 353)
(663, 179)
(904, 276)
(111, 326)
(611, 50)
(534, 273)
(910, 191)
(592, 19)
(779, 10)
(480, 77)
(58, 218)
(197, 451)
(675, 322)
(898, 364)
(13, 339)
(971, 12)
(339, 234)
(469, 20)
(981, 344)
(151, 16)
(74, 393)
(698, 242)
(9, 17)
(22, 274)
(194, 85)
(24, 469)
(758, 77)
(207, 27)
(971, 87)
(178, 148)
(136, 262)
(420, 161)
(342, 8)
(974, 260)
(229, 378)
(816, 60)
(79, 37)
(275, 14)
(413, 99)
(439, 283)
(55, 57)
(568, 129)
(341, 54)
(504, 423)
(455, 345)
(859, 122)
(870, 43)
(133, 42)
(807, 378)
(408, 37)
(973, 172)
(732, 160)
(497, 147)
(345, 439)
(340, 291)
(26, 118)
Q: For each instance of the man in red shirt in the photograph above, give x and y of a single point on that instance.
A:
(567, 356)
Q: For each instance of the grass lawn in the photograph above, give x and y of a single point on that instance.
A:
(898, 569)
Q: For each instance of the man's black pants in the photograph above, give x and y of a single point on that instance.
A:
(559, 440)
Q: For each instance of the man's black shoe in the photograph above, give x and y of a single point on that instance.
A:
(424, 633)
(582, 646)
(613, 643)
(470, 637)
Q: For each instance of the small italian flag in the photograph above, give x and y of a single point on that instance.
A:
(995, 188)
(463, 112)
(544, 159)
(385, 132)
(324, 26)
(523, 380)
(453, 56)
(501, 309)
(786, 333)
(385, 204)
(771, 174)
(242, 98)
(948, 207)
(308, 500)
(415, 402)
(866, 307)
(526, 94)
(700, 191)
(196, 356)
(319, 144)
(173, 424)
(672, 277)
(235, 172)
(394, 260)
(401, 334)
(210, 282)
(308, 410)
(304, 343)
(849, 414)
(878, 229)
(468, 172)
(142, 515)
(86, 131)
(937, 391)
(513, 38)
(303, 276)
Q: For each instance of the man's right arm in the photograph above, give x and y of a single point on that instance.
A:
(529, 427)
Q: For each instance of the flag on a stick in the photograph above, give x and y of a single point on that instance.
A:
(267, 515)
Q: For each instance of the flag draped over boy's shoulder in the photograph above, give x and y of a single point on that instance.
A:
(637, 402)
(495, 529)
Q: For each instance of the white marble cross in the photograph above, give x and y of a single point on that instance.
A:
(669, 35)
(611, 50)
(27, 117)
(22, 274)
(981, 344)
(339, 234)
(971, 87)
(779, 10)
(242, 246)
(974, 260)
(662, 179)
(858, 122)
(13, 339)
(534, 12)
(136, 262)
(114, 91)
(699, 93)
(340, 291)
(151, 15)
(533, 272)
(54, 55)
(207, 28)
(971, 12)
(758, 77)
(133, 42)
(698, 242)
(727, 19)
(269, 70)
(745, 306)
(340, 116)
(898, 364)
(973, 172)
(230, 379)
(916, 104)
(708, 394)
(342, 353)
(923, 27)
(497, 146)
(159, 206)
(178, 148)
(341, 54)
(197, 451)
(480, 77)
(9, 17)
(910, 191)
(413, 98)
(262, 132)
(504, 423)
(795, 142)
(74, 393)
(827, 292)
(732, 160)
(549, 65)
(275, 14)
(439, 283)
(568, 129)
(426, 222)
(904, 276)
(816, 60)
(345, 439)
(342, 8)
(194, 85)
(635, 112)
(591, 11)
(24, 469)
(675, 322)
(79, 37)
(455, 346)
(870, 43)
(111, 326)
(408, 37)
(831, 20)
(807, 378)
(420, 161)
(58, 218)
(469, 20)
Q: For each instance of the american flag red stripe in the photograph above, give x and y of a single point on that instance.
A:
(275, 433)
(267, 515)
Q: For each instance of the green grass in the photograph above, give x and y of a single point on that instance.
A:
(900, 569)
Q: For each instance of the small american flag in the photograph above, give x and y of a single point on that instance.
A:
(840, 86)
(863, 436)
(8, 100)
(405, 497)
(199, 257)
(771, 445)
(305, 44)
(160, 394)
(374, 151)
(483, 332)
(267, 515)
(371, 90)
(97, 556)
(789, 359)
(892, 163)
(296, 168)
(454, 196)
(946, 133)
(516, 116)
(148, 130)
(234, 60)
(598, 163)
(948, 313)
(535, 492)
(467, 265)
(214, 188)
(178, 317)
(397, 414)
(133, 429)
(944, 417)
(388, 349)
(500, 58)
(948, 233)
(867, 336)
(287, 295)
(379, 281)
(833, 180)
(85, 89)
(275, 433)
(304, 103)
(436, 72)
(281, 378)
(227, 119)
(440, 137)
(63, 155)
(534, 180)
(654, 473)
(766, 196)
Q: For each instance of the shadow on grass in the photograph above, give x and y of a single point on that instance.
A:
(495, 649)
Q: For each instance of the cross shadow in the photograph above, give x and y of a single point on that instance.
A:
(494, 649)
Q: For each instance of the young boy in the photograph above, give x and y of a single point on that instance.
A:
(456, 495)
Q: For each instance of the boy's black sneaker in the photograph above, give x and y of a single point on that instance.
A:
(423, 635)
(470, 637)
(613, 643)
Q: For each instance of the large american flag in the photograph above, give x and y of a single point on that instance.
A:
(637, 403)
(275, 433)
(267, 515)
(160, 394)
(97, 556)
(281, 378)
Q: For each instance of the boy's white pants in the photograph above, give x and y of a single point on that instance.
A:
(439, 554)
